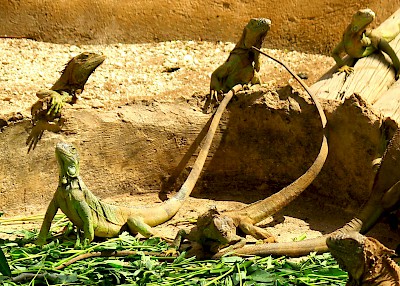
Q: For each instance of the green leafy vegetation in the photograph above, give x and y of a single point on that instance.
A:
(33, 265)
(4, 267)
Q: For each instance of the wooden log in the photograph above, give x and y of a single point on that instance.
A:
(389, 103)
(371, 78)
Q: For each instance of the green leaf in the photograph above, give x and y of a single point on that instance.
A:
(115, 263)
(4, 267)
(64, 279)
(262, 276)
(231, 259)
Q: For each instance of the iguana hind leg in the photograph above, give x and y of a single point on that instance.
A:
(256, 232)
(137, 225)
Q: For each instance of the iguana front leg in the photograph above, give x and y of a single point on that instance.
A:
(385, 47)
(236, 243)
(85, 215)
(44, 230)
(342, 67)
(57, 100)
(217, 85)
(257, 60)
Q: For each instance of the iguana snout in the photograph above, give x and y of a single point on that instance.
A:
(259, 24)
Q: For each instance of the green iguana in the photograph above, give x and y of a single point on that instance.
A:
(243, 63)
(366, 260)
(359, 42)
(97, 218)
(46, 112)
(384, 197)
(215, 230)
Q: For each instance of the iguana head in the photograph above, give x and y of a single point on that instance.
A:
(360, 256)
(254, 33)
(348, 250)
(77, 72)
(68, 161)
(361, 19)
(217, 227)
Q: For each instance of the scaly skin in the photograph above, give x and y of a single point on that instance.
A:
(243, 63)
(93, 216)
(97, 218)
(359, 42)
(46, 112)
(366, 260)
(384, 198)
(216, 230)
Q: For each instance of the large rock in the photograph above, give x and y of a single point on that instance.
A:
(266, 140)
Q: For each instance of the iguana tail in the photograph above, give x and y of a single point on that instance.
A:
(295, 248)
(269, 206)
(170, 207)
(300, 248)
(292, 249)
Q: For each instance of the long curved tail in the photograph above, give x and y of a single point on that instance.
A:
(172, 205)
(269, 206)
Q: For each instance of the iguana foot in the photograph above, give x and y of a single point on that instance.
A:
(171, 252)
(38, 129)
(346, 69)
(81, 244)
(212, 101)
(40, 241)
(56, 104)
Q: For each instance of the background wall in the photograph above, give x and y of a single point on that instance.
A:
(312, 26)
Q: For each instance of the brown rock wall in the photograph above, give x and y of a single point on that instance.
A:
(313, 26)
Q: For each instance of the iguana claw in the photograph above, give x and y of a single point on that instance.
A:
(38, 129)
(56, 104)
(346, 69)
(212, 101)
